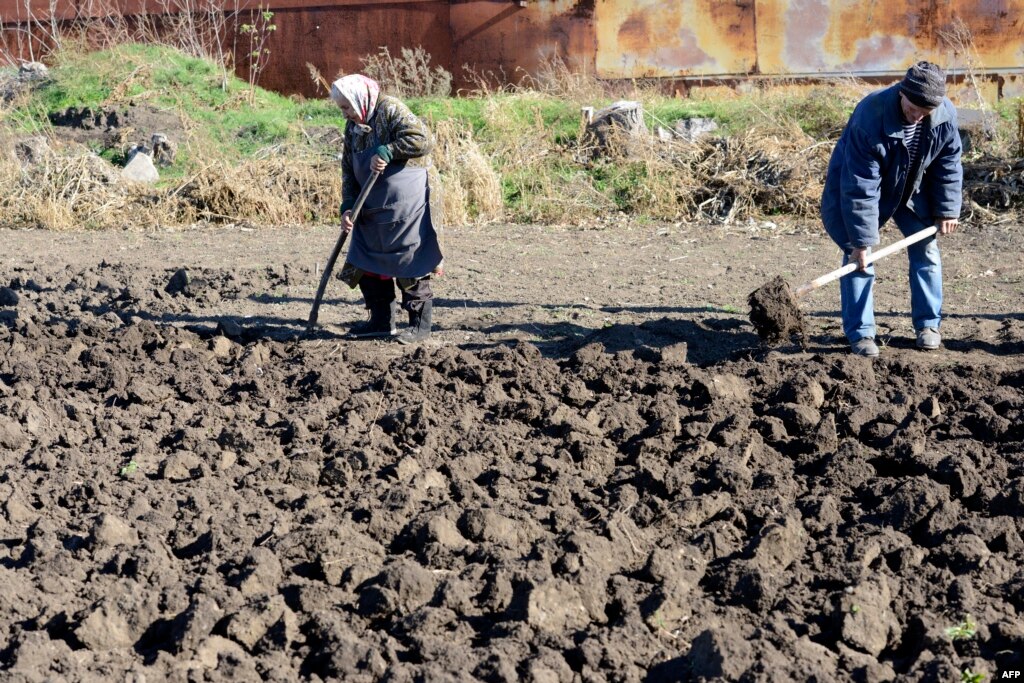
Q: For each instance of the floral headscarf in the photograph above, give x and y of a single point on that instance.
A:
(361, 92)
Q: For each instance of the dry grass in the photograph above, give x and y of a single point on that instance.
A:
(471, 188)
(555, 78)
(775, 165)
(275, 190)
(71, 188)
(769, 169)
(516, 167)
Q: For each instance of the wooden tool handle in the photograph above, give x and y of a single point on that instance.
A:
(361, 199)
(872, 257)
(315, 312)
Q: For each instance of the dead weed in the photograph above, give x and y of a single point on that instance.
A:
(67, 187)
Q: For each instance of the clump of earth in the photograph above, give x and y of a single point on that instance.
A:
(185, 499)
(774, 312)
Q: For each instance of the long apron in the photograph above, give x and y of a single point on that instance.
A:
(394, 234)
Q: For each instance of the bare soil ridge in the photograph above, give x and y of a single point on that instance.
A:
(591, 472)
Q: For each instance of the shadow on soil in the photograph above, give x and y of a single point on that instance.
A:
(708, 340)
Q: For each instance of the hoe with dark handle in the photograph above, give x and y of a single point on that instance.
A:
(313, 314)
(872, 257)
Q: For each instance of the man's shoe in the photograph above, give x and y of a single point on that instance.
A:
(928, 338)
(865, 347)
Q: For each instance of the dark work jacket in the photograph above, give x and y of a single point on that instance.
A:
(868, 172)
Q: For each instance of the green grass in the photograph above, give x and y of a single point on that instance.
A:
(468, 111)
(216, 109)
(968, 676)
(562, 118)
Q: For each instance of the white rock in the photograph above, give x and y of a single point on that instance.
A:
(141, 169)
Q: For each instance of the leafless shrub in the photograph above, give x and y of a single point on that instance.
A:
(409, 75)
(555, 78)
(485, 83)
(987, 138)
(764, 171)
(958, 39)
(27, 36)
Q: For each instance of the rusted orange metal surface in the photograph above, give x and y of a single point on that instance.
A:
(805, 37)
(649, 38)
(505, 40)
(874, 37)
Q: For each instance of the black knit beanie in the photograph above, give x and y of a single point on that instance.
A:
(924, 85)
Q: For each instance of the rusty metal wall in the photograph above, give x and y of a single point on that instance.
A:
(333, 38)
(331, 35)
(506, 41)
(503, 40)
(804, 37)
(651, 38)
(872, 37)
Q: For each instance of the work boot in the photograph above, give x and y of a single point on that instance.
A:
(865, 347)
(419, 324)
(380, 300)
(928, 339)
(380, 324)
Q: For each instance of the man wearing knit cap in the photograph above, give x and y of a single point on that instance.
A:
(898, 158)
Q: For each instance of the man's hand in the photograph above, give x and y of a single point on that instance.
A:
(859, 255)
(346, 221)
(947, 226)
(377, 163)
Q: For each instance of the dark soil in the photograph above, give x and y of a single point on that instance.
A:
(774, 312)
(117, 128)
(593, 471)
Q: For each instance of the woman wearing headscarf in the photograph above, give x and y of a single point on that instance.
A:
(393, 240)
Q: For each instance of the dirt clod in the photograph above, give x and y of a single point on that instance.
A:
(774, 312)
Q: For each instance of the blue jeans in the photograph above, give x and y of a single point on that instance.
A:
(855, 289)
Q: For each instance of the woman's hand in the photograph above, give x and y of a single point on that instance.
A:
(346, 221)
(377, 163)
